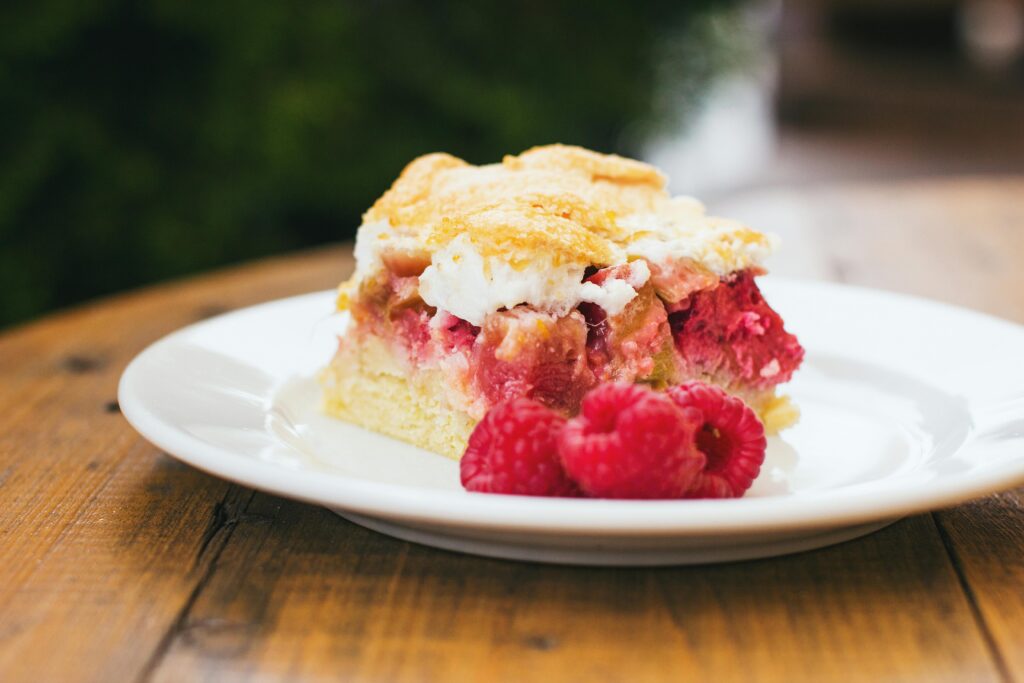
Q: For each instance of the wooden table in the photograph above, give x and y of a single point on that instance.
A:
(117, 563)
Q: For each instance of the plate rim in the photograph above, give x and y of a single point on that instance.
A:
(832, 508)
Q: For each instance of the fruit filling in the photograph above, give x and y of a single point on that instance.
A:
(731, 334)
(681, 323)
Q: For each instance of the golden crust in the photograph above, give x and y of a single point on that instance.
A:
(600, 167)
(519, 232)
(556, 199)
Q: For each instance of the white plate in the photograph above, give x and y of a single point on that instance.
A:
(908, 405)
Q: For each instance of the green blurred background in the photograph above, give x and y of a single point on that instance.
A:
(145, 140)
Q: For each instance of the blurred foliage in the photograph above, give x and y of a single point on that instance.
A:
(147, 139)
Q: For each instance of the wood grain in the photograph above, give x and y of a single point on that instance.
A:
(103, 539)
(301, 594)
(116, 563)
(986, 541)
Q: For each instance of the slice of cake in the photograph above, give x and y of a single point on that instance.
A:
(544, 276)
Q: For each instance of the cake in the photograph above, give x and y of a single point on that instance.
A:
(544, 276)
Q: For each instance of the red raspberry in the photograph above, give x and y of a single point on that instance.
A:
(630, 442)
(514, 449)
(731, 437)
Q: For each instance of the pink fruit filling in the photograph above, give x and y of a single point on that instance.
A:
(730, 333)
(633, 344)
(683, 324)
(525, 353)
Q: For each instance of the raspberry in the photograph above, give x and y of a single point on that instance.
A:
(630, 442)
(731, 438)
(514, 449)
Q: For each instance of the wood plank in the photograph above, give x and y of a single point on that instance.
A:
(986, 539)
(302, 594)
(103, 540)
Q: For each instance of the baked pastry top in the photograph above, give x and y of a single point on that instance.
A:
(541, 219)
(544, 276)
